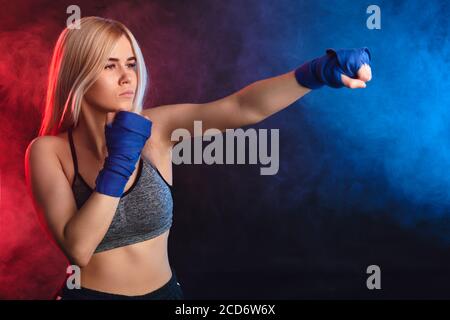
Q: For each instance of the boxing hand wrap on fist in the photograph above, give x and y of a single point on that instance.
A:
(125, 138)
(329, 68)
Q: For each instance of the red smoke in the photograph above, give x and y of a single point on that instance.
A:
(31, 267)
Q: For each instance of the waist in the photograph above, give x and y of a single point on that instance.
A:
(131, 270)
(169, 290)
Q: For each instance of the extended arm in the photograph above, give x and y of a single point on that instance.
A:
(259, 100)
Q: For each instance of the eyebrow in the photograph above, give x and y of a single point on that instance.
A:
(115, 59)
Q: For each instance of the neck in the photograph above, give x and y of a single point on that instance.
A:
(91, 132)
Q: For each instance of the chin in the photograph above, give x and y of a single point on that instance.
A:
(124, 108)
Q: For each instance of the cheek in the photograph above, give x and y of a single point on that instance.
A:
(101, 90)
(103, 93)
(105, 86)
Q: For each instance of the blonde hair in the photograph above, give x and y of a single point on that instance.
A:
(78, 58)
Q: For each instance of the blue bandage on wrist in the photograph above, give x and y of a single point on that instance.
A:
(327, 69)
(125, 138)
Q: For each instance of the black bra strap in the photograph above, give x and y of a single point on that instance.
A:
(72, 149)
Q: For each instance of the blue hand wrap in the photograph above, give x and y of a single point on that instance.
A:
(327, 69)
(125, 138)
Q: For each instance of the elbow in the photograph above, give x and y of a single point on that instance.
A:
(80, 256)
(76, 252)
(81, 259)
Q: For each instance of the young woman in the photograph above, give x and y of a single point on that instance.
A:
(100, 172)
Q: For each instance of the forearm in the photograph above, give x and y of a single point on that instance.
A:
(89, 225)
(263, 98)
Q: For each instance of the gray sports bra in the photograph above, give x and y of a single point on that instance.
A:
(144, 210)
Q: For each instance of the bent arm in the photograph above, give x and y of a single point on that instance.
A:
(77, 232)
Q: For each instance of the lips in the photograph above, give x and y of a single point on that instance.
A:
(128, 92)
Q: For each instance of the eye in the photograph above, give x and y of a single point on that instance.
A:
(109, 66)
(132, 65)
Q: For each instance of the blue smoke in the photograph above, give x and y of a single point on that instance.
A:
(379, 150)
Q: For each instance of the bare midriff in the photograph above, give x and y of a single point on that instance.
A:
(135, 269)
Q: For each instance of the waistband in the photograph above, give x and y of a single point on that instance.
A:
(91, 293)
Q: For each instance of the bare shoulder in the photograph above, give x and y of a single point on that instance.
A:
(42, 144)
(153, 112)
(49, 149)
(46, 145)
(160, 137)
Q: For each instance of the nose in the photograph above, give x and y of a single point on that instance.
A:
(125, 76)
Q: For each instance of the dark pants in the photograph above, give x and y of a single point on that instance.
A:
(170, 291)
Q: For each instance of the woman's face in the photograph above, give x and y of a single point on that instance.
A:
(118, 76)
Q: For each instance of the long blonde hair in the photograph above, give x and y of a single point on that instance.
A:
(78, 58)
